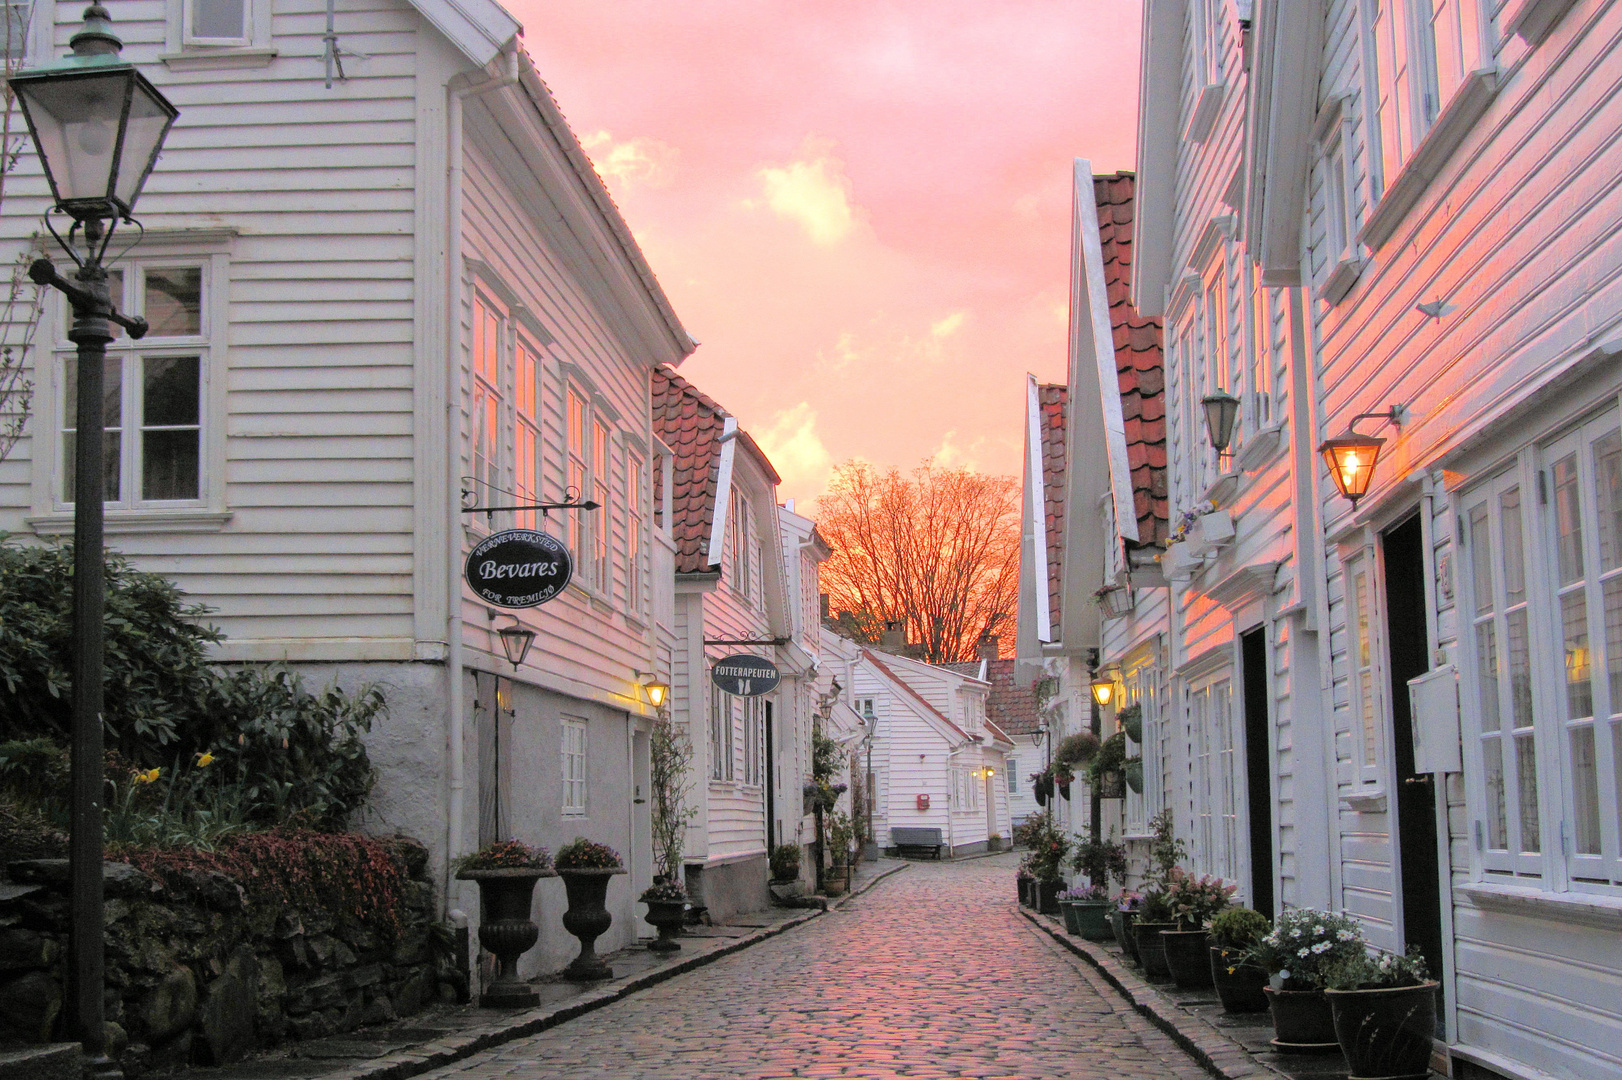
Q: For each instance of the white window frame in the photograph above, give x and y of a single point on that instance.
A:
(1365, 673)
(495, 395)
(741, 548)
(754, 752)
(576, 791)
(1205, 59)
(18, 27)
(51, 514)
(636, 496)
(587, 472)
(185, 51)
(1340, 256)
(723, 737)
(1213, 799)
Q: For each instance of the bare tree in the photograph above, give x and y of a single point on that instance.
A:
(937, 550)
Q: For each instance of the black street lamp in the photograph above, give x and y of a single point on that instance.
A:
(98, 125)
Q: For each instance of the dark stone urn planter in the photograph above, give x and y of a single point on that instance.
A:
(666, 916)
(1386, 1033)
(1047, 896)
(1187, 957)
(586, 919)
(1151, 950)
(1302, 1022)
(506, 898)
(1238, 984)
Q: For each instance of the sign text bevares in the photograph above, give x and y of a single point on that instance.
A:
(518, 568)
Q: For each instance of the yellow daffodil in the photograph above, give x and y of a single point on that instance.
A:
(205, 759)
(146, 777)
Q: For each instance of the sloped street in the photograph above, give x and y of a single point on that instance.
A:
(931, 974)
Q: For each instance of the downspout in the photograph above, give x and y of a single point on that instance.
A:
(455, 718)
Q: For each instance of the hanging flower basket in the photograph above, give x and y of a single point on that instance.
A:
(1130, 718)
(1112, 785)
(1132, 770)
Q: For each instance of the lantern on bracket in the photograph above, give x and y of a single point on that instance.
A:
(1221, 411)
(1351, 457)
(1103, 689)
(516, 641)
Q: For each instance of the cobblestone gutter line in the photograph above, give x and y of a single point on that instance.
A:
(448, 1051)
(1218, 1054)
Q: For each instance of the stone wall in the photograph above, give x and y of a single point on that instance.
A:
(198, 974)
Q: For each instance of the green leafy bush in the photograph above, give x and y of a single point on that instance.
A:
(1100, 860)
(1238, 928)
(785, 862)
(275, 751)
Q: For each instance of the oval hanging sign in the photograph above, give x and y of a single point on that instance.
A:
(518, 568)
(745, 675)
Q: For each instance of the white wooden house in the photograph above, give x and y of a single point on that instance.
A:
(1406, 708)
(386, 285)
(936, 758)
(739, 589)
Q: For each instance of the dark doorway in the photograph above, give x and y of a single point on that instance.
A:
(1258, 768)
(1419, 871)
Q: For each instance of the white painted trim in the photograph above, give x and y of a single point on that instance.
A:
(200, 520)
(1159, 95)
(1339, 281)
(1283, 99)
(1202, 118)
(715, 548)
(1532, 20)
(1599, 910)
(1036, 494)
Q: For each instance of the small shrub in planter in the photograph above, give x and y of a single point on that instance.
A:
(585, 867)
(1384, 1007)
(1239, 981)
(1193, 901)
(785, 862)
(667, 910)
(1302, 947)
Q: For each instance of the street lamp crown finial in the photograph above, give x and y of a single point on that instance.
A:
(97, 37)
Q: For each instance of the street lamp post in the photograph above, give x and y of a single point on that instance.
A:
(98, 125)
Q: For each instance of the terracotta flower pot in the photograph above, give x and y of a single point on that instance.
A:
(506, 898)
(1386, 1033)
(1237, 983)
(586, 919)
(1187, 957)
(666, 916)
(1302, 1022)
(1151, 950)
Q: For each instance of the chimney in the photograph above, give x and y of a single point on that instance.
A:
(894, 638)
(986, 647)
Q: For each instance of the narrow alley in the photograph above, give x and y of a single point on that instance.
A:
(931, 974)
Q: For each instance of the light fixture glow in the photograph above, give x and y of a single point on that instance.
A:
(1351, 460)
(657, 692)
(1103, 689)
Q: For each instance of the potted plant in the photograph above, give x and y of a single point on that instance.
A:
(1238, 980)
(1063, 777)
(1025, 878)
(1047, 856)
(785, 863)
(1154, 917)
(1104, 771)
(1194, 901)
(1130, 719)
(1086, 908)
(1384, 1007)
(1132, 770)
(1123, 921)
(1042, 786)
(840, 837)
(1075, 750)
(585, 867)
(667, 910)
(1113, 600)
(506, 872)
(1099, 860)
(1303, 944)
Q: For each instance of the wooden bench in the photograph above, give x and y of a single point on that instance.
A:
(918, 839)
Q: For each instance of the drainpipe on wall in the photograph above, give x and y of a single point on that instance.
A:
(456, 764)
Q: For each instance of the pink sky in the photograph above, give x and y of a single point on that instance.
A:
(859, 208)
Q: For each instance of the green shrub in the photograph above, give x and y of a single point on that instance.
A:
(785, 862)
(1239, 928)
(1075, 749)
(278, 753)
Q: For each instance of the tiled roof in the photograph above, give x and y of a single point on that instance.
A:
(1138, 359)
(885, 670)
(690, 423)
(1053, 401)
(1009, 707)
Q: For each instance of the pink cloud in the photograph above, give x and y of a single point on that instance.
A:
(861, 209)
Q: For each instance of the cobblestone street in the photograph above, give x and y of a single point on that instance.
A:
(931, 974)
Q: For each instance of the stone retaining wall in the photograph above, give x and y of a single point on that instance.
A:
(197, 974)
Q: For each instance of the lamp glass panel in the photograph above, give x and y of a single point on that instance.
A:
(75, 120)
(1221, 410)
(1351, 464)
(150, 117)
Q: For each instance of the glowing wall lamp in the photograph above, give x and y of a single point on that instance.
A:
(1103, 690)
(1352, 457)
(658, 692)
(1221, 410)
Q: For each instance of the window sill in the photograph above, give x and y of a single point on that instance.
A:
(137, 521)
(1469, 102)
(1340, 280)
(1371, 802)
(1597, 910)
(1203, 117)
(1533, 20)
(218, 57)
(1261, 447)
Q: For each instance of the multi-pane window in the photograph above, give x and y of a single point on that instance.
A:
(1010, 771)
(1544, 550)
(1216, 847)
(740, 545)
(754, 756)
(505, 411)
(574, 766)
(602, 517)
(152, 395)
(1423, 51)
(722, 722)
(1362, 671)
(636, 495)
(575, 473)
(217, 22)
